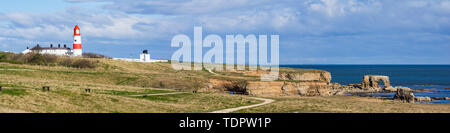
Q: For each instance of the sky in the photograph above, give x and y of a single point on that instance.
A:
(311, 31)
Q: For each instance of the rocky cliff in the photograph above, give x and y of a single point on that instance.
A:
(310, 83)
(309, 76)
(280, 88)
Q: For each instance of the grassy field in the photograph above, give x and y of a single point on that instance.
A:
(66, 96)
(112, 83)
(345, 104)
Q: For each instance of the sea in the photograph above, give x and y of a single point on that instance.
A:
(433, 77)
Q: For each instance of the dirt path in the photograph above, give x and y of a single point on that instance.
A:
(266, 101)
(210, 71)
(158, 94)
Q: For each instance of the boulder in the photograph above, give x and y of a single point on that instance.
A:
(404, 94)
(278, 88)
(394, 89)
(422, 99)
(391, 89)
(338, 93)
(309, 76)
(403, 88)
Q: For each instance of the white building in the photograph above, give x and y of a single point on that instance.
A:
(144, 57)
(61, 51)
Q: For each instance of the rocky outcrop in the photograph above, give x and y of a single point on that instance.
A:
(371, 82)
(394, 89)
(312, 76)
(294, 76)
(338, 89)
(440, 98)
(281, 88)
(405, 95)
(315, 83)
(422, 99)
(304, 84)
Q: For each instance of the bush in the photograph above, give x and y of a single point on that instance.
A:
(65, 62)
(93, 55)
(83, 63)
(37, 59)
(46, 60)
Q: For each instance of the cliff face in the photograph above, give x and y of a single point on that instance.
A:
(304, 84)
(311, 76)
(314, 83)
(280, 88)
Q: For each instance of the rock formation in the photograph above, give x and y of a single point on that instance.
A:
(322, 76)
(279, 88)
(314, 83)
(422, 99)
(394, 89)
(404, 94)
(371, 82)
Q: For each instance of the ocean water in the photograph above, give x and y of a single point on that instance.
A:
(413, 76)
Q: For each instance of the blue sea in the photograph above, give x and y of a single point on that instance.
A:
(412, 76)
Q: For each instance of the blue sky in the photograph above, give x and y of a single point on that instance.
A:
(311, 31)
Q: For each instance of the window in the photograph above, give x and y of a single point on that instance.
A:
(77, 32)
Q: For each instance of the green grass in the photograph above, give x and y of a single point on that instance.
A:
(124, 93)
(13, 92)
(12, 85)
(126, 80)
(204, 102)
(344, 104)
(168, 98)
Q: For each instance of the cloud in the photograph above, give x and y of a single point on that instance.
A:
(309, 26)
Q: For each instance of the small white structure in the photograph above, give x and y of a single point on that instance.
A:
(60, 51)
(144, 57)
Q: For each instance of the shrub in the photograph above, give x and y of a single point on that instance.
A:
(46, 59)
(83, 63)
(37, 59)
(65, 62)
(93, 55)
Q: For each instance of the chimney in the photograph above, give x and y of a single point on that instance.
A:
(28, 47)
(145, 52)
(65, 46)
(51, 45)
(59, 45)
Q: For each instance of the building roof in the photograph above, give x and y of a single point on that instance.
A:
(37, 47)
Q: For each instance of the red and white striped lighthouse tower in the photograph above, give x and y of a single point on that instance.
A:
(77, 51)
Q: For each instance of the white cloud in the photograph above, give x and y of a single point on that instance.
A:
(124, 22)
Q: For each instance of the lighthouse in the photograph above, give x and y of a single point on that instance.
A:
(77, 51)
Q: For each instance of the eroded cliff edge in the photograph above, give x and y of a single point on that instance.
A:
(304, 82)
